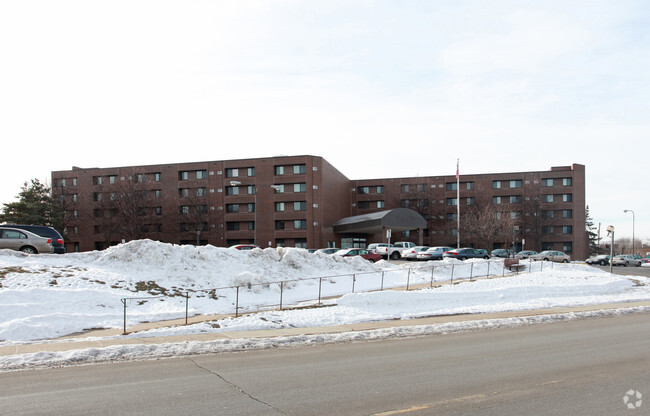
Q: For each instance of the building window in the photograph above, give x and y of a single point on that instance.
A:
(452, 216)
(201, 174)
(567, 213)
(279, 170)
(469, 186)
(516, 199)
(250, 171)
(363, 190)
(232, 226)
(158, 210)
(452, 201)
(548, 214)
(300, 206)
(547, 229)
(251, 225)
(201, 191)
(567, 197)
(300, 224)
(496, 184)
(279, 225)
(156, 176)
(299, 187)
(363, 204)
(451, 186)
(380, 189)
(496, 200)
(232, 173)
(566, 181)
(516, 183)
(547, 198)
(515, 215)
(300, 243)
(279, 189)
(232, 190)
(381, 204)
(250, 207)
(567, 229)
(97, 180)
(405, 188)
(97, 197)
(547, 182)
(299, 169)
(183, 175)
(279, 206)
(232, 207)
(567, 247)
(404, 203)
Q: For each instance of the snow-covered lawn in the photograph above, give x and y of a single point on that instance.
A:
(48, 296)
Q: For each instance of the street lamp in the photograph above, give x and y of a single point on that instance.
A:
(629, 210)
(276, 187)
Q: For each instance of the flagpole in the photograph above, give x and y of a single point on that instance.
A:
(457, 203)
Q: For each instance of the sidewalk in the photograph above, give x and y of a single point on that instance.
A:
(78, 341)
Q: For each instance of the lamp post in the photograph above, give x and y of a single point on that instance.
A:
(629, 210)
(276, 187)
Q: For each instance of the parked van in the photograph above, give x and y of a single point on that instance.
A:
(43, 231)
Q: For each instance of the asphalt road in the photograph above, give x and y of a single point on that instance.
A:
(581, 367)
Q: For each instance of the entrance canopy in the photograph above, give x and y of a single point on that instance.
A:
(398, 219)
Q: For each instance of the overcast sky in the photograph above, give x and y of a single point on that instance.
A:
(378, 88)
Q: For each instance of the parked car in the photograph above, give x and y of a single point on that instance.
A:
(525, 254)
(502, 252)
(626, 260)
(373, 248)
(466, 253)
(25, 241)
(245, 246)
(330, 250)
(602, 259)
(412, 253)
(361, 252)
(646, 259)
(433, 253)
(43, 231)
(551, 255)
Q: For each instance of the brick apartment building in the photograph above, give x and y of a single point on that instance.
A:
(304, 201)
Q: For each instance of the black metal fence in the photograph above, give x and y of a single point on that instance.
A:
(408, 278)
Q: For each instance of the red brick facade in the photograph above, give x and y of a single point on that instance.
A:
(296, 200)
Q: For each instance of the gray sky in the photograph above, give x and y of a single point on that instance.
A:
(378, 88)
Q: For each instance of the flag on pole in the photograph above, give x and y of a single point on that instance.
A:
(457, 167)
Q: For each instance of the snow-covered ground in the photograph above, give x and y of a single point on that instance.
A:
(43, 297)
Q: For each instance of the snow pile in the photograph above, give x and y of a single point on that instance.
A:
(48, 296)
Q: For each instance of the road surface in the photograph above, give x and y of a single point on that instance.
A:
(583, 367)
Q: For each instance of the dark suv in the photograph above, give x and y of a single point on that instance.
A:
(43, 231)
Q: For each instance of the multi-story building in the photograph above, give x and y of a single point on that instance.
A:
(303, 201)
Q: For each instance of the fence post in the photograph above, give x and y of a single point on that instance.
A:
(488, 272)
(124, 302)
(432, 269)
(451, 281)
(281, 292)
(382, 280)
(408, 279)
(187, 306)
(320, 285)
(237, 303)
(471, 271)
(354, 279)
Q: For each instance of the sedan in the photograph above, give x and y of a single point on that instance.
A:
(25, 241)
(412, 253)
(361, 252)
(551, 255)
(245, 246)
(602, 259)
(433, 253)
(501, 252)
(626, 260)
(330, 250)
(525, 254)
(466, 253)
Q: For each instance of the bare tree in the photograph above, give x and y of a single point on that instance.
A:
(194, 213)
